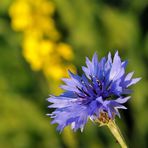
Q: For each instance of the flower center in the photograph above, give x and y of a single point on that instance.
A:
(94, 88)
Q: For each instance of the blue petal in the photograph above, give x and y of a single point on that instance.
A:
(134, 81)
(124, 64)
(116, 67)
(60, 102)
(68, 94)
(122, 100)
(129, 76)
(75, 113)
(108, 64)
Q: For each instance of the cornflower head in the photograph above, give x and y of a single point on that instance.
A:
(98, 94)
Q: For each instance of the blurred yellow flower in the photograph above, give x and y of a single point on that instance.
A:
(46, 48)
(65, 51)
(55, 71)
(20, 13)
(41, 40)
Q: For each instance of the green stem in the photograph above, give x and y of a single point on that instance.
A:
(116, 132)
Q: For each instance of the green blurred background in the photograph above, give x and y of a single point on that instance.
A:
(65, 32)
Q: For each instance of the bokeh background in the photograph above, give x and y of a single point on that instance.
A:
(40, 40)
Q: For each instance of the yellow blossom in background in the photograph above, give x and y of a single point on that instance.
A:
(20, 12)
(41, 43)
(65, 51)
(41, 40)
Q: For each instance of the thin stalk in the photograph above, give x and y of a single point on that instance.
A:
(116, 133)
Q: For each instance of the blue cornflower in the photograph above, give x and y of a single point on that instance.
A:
(103, 88)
